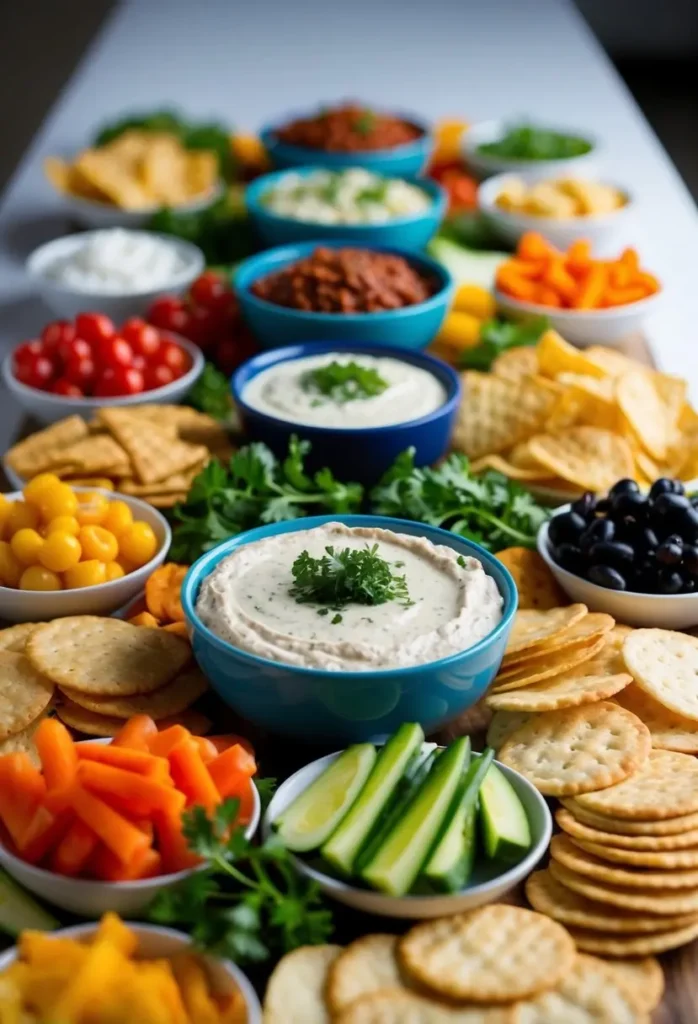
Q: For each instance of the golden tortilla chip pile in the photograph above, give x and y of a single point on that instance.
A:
(137, 171)
(152, 452)
(553, 416)
(495, 965)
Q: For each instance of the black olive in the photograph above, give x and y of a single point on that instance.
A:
(690, 558)
(565, 528)
(611, 553)
(694, 500)
(670, 504)
(689, 587)
(630, 505)
(686, 523)
(603, 505)
(585, 505)
(625, 486)
(678, 487)
(599, 529)
(669, 582)
(648, 539)
(607, 576)
(570, 558)
(661, 486)
(670, 551)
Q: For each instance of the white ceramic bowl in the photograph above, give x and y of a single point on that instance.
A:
(483, 166)
(599, 229)
(156, 943)
(485, 888)
(47, 407)
(662, 611)
(67, 302)
(588, 327)
(102, 599)
(92, 214)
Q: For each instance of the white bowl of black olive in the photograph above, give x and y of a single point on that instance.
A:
(632, 554)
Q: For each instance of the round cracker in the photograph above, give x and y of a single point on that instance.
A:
(23, 742)
(552, 898)
(396, 1006)
(585, 684)
(669, 730)
(658, 902)
(25, 693)
(589, 993)
(577, 750)
(665, 786)
(535, 628)
(14, 638)
(106, 657)
(565, 852)
(633, 945)
(295, 991)
(587, 630)
(503, 724)
(494, 954)
(169, 700)
(547, 666)
(665, 859)
(578, 830)
(86, 721)
(665, 665)
(626, 827)
(365, 966)
(536, 585)
(643, 978)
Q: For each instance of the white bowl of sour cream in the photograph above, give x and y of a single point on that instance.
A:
(114, 270)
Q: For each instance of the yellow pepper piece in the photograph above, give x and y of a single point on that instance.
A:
(104, 970)
(249, 151)
(113, 930)
(193, 984)
(471, 298)
(448, 134)
(41, 949)
(11, 1002)
(459, 331)
(232, 1008)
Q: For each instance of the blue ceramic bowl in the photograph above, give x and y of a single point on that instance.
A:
(273, 326)
(405, 161)
(317, 705)
(411, 232)
(362, 453)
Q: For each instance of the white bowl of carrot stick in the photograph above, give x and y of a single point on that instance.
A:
(589, 301)
(98, 826)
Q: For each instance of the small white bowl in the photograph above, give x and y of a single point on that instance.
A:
(66, 302)
(663, 611)
(584, 327)
(93, 214)
(600, 229)
(47, 407)
(158, 943)
(372, 902)
(102, 599)
(490, 131)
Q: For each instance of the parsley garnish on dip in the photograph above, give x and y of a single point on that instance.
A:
(387, 599)
(344, 382)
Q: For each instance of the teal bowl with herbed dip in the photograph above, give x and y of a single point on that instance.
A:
(398, 622)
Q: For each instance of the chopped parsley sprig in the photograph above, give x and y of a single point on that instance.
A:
(349, 576)
(344, 382)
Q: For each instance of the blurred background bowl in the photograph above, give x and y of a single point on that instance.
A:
(483, 165)
(89, 213)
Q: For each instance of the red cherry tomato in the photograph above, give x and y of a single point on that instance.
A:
(94, 327)
(55, 334)
(65, 387)
(80, 370)
(166, 310)
(129, 380)
(78, 348)
(139, 363)
(173, 355)
(24, 353)
(211, 290)
(38, 372)
(142, 337)
(157, 377)
(114, 352)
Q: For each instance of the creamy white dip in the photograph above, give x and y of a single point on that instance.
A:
(116, 262)
(353, 196)
(283, 391)
(247, 602)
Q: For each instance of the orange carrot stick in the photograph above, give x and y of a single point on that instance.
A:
(191, 776)
(178, 628)
(42, 833)
(561, 281)
(56, 750)
(136, 733)
(133, 794)
(138, 761)
(106, 866)
(234, 761)
(74, 850)
(222, 743)
(591, 291)
(116, 832)
(21, 789)
(623, 296)
(206, 748)
(532, 246)
(173, 847)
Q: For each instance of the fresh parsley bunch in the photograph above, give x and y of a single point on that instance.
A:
(353, 575)
(487, 508)
(253, 489)
(211, 394)
(248, 903)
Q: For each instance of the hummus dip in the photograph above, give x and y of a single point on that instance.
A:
(246, 601)
(286, 392)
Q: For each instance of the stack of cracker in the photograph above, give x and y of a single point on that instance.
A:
(26, 693)
(494, 965)
(152, 452)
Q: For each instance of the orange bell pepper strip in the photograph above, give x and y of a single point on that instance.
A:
(119, 834)
(191, 776)
(107, 867)
(135, 795)
(136, 733)
(57, 752)
(138, 761)
(74, 850)
(172, 844)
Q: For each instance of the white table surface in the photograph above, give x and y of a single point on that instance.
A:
(246, 63)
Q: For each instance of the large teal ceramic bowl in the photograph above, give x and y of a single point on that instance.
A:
(317, 705)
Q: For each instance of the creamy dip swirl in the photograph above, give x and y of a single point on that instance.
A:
(281, 391)
(247, 602)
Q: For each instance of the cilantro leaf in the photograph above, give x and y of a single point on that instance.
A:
(344, 382)
(497, 336)
(211, 394)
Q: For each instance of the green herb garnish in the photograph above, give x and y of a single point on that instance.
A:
(350, 576)
(344, 382)
(248, 903)
(497, 336)
(365, 123)
(211, 394)
(524, 142)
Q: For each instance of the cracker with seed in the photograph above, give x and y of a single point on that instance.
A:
(14, 638)
(535, 628)
(665, 665)
(396, 1006)
(38, 452)
(296, 989)
(495, 954)
(591, 457)
(497, 413)
(588, 994)
(588, 629)
(633, 945)
(503, 724)
(669, 730)
(23, 742)
(25, 693)
(548, 666)
(552, 898)
(571, 856)
(171, 699)
(665, 786)
(667, 860)
(578, 830)
(106, 657)
(154, 453)
(577, 750)
(536, 585)
(584, 684)
(661, 902)
(626, 827)
(365, 966)
(644, 978)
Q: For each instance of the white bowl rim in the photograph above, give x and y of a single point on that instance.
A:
(114, 496)
(42, 257)
(192, 206)
(488, 130)
(589, 315)
(156, 396)
(512, 874)
(542, 545)
(489, 189)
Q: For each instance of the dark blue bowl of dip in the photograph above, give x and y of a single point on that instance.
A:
(320, 705)
(355, 453)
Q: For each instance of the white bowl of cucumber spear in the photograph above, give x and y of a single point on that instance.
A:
(410, 829)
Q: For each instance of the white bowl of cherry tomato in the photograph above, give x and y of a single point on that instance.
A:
(75, 367)
(69, 550)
